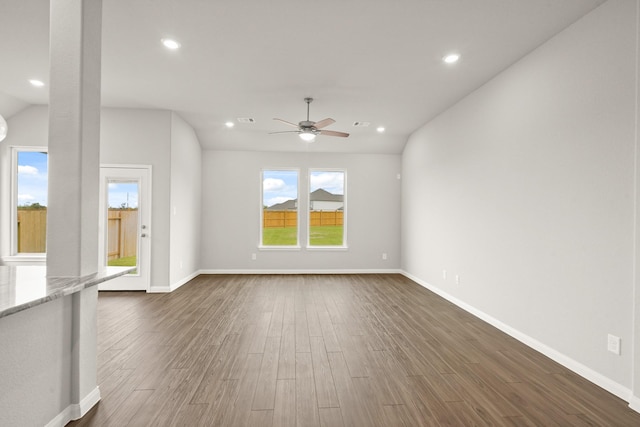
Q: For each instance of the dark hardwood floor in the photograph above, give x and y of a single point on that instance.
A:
(325, 350)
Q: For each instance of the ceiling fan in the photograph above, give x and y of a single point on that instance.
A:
(308, 130)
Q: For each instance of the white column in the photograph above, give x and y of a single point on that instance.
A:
(84, 346)
(74, 166)
(74, 137)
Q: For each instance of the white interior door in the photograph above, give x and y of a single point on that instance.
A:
(125, 225)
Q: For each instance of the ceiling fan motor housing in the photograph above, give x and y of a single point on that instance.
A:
(309, 128)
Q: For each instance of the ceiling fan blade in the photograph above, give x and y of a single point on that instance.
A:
(286, 122)
(334, 133)
(285, 131)
(323, 123)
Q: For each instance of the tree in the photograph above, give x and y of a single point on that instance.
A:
(32, 206)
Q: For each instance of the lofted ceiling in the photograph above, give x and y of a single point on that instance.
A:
(376, 61)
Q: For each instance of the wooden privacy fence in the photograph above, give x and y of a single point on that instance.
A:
(279, 219)
(122, 229)
(32, 230)
(122, 239)
(322, 218)
(290, 218)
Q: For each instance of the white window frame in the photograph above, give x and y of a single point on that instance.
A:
(15, 257)
(261, 244)
(344, 245)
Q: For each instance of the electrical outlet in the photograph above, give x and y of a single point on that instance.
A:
(444, 274)
(457, 279)
(384, 256)
(253, 257)
(613, 344)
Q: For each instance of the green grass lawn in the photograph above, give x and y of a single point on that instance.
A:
(128, 261)
(276, 236)
(327, 235)
(319, 236)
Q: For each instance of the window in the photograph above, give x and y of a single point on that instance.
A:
(327, 203)
(29, 216)
(122, 223)
(279, 220)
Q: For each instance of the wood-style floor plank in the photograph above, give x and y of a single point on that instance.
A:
(287, 359)
(324, 350)
(302, 332)
(284, 413)
(354, 413)
(325, 387)
(306, 404)
(265, 394)
(330, 417)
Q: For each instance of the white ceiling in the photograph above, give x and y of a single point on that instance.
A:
(362, 60)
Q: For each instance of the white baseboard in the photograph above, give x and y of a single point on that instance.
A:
(185, 280)
(159, 290)
(634, 403)
(569, 363)
(76, 411)
(88, 402)
(345, 271)
(62, 418)
(173, 287)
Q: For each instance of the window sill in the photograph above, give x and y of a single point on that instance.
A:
(279, 248)
(25, 259)
(327, 248)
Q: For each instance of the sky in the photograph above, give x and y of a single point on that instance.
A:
(280, 186)
(330, 181)
(32, 178)
(123, 193)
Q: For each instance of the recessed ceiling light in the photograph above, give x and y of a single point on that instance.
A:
(171, 44)
(36, 83)
(451, 58)
(380, 129)
(229, 124)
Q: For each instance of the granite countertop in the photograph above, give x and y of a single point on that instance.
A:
(23, 287)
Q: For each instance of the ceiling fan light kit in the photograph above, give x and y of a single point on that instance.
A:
(308, 130)
(307, 136)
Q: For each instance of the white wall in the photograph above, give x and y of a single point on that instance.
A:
(231, 212)
(186, 197)
(525, 190)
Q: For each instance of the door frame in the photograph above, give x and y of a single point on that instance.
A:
(142, 281)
